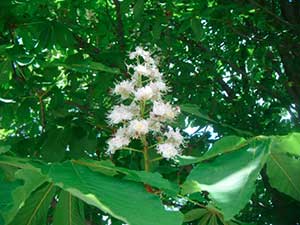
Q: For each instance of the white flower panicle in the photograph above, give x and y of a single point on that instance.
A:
(137, 128)
(154, 126)
(163, 111)
(121, 113)
(144, 93)
(140, 52)
(144, 110)
(168, 150)
(125, 89)
(142, 70)
(174, 137)
(117, 142)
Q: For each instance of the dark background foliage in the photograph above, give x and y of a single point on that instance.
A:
(238, 61)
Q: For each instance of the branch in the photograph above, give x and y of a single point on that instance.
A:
(85, 45)
(270, 12)
(109, 16)
(120, 30)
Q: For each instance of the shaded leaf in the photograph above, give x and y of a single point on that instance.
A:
(69, 210)
(197, 29)
(5, 71)
(35, 209)
(194, 214)
(19, 194)
(4, 148)
(138, 9)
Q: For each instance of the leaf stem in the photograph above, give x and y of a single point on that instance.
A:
(152, 146)
(132, 149)
(145, 150)
(156, 159)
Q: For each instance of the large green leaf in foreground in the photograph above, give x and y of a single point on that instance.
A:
(153, 179)
(35, 208)
(222, 146)
(230, 179)
(125, 200)
(289, 143)
(69, 210)
(16, 193)
(284, 174)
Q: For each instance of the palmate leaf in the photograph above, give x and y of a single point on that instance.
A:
(125, 200)
(283, 172)
(153, 179)
(206, 216)
(195, 214)
(6, 198)
(230, 178)
(69, 210)
(35, 208)
(18, 191)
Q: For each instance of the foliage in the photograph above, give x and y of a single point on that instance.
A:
(234, 69)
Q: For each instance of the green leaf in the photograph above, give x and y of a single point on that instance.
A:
(194, 110)
(283, 173)
(63, 36)
(6, 198)
(78, 146)
(194, 214)
(20, 193)
(5, 71)
(69, 210)
(153, 179)
(4, 148)
(54, 147)
(184, 160)
(197, 29)
(157, 28)
(125, 200)
(224, 145)
(82, 67)
(138, 9)
(35, 209)
(25, 60)
(101, 67)
(46, 36)
(230, 178)
(289, 143)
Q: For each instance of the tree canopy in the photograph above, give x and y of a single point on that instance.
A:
(234, 71)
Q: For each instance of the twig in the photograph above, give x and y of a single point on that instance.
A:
(156, 159)
(132, 149)
(120, 30)
(270, 13)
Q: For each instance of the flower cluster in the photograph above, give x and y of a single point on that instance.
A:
(143, 110)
